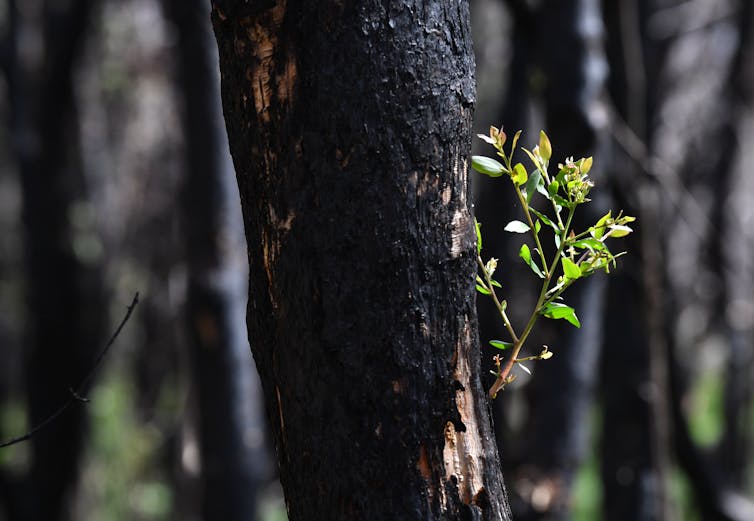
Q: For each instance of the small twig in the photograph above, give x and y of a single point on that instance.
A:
(77, 393)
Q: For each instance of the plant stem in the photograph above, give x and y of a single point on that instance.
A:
(518, 344)
(533, 230)
(498, 304)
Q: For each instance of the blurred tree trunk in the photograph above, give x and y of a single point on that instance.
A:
(636, 422)
(666, 105)
(231, 426)
(349, 125)
(64, 279)
(735, 451)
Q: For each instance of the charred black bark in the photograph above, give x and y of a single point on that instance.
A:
(349, 125)
(231, 426)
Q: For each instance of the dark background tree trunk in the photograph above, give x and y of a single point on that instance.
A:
(66, 299)
(349, 125)
(230, 419)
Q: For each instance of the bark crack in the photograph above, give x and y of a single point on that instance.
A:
(463, 451)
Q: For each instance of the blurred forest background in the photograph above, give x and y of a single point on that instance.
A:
(115, 178)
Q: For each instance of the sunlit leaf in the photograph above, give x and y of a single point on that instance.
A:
(552, 189)
(478, 227)
(519, 174)
(570, 268)
(487, 166)
(517, 227)
(590, 244)
(556, 310)
(619, 230)
(545, 148)
(525, 254)
(586, 165)
(515, 142)
(483, 290)
(598, 230)
(500, 344)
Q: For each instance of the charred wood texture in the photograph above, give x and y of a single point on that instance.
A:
(349, 125)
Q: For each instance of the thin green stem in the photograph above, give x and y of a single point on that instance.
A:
(500, 308)
(518, 344)
(533, 230)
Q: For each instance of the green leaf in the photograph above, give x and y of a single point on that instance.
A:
(496, 283)
(562, 202)
(515, 142)
(478, 227)
(487, 166)
(570, 268)
(546, 220)
(560, 177)
(531, 185)
(525, 254)
(586, 165)
(598, 230)
(517, 227)
(501, 345)
(545, 148)
(556, 310)
(519, 175)
(537, 227)
(486, 138)
(590, 244)
(534, 158)
(620, 230)
(483, 290)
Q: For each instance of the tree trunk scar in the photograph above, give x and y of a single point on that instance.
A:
(280, 414)
(270, 249)
(281, 225)
(273, 234)
(463, 451)
(272, 71)
(425, 469)
(459, 234)
(423, 464)
(461, 175)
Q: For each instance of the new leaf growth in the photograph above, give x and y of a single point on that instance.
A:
(577, 255)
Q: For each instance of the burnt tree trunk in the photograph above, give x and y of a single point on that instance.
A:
(349, 126)
(230, 423)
